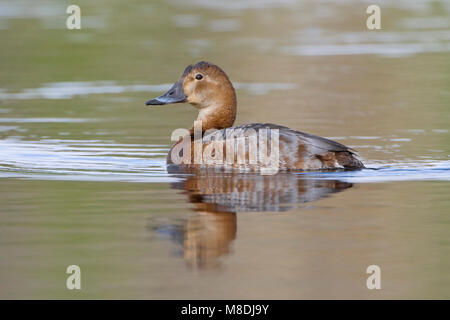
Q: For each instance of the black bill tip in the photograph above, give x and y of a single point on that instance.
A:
(154, 102)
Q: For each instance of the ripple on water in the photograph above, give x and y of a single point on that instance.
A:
(45, 120)
(100, 160)
(418, 170)
(68, 90)
(88, 160)
(318, 42)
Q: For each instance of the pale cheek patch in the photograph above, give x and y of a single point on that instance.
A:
(188, 88)
(196, 95)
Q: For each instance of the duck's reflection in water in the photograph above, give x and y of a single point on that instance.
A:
(217, 197)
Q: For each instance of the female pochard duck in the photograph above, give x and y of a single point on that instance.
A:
(208, 88)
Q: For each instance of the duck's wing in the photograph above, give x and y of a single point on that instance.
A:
(317, 144)
(321, 143)
(330, 153)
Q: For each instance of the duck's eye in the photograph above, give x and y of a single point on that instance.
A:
(199, 77)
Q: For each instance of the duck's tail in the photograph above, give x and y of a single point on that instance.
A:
(349, 160)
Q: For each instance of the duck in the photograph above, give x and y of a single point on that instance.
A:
(208, 88)
(207, 235)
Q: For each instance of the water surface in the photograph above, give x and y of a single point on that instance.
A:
(83, 178)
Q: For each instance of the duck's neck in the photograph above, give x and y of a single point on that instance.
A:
(219, 114)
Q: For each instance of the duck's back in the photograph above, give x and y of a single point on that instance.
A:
(297, 150)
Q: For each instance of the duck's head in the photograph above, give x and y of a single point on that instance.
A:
(206, 87)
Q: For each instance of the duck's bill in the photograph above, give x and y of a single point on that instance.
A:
(174, 95)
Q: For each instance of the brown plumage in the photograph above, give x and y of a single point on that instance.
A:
(208, 88)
